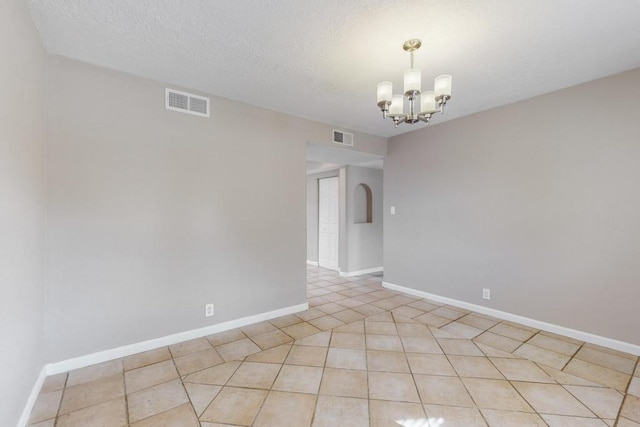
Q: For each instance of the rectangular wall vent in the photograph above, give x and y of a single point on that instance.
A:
(343, 138)
(186, 102)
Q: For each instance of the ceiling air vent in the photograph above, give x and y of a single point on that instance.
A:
(343, 138)
(186, 102)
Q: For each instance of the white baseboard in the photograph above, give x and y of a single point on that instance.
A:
(35, 391)
(314, 263)
(360, 272)
(127, 350)
(560, 330)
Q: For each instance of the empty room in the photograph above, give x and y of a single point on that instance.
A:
(320, 213)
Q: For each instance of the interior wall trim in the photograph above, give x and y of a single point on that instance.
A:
(360, 272)
(127, 350)
(549, 327)
(313, 263)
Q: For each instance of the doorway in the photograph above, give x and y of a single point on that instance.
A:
(328, 212)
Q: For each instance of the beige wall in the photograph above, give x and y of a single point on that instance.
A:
(22, 210)
(154, 213)
(536, 200)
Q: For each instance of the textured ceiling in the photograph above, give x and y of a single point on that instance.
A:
(322, 59)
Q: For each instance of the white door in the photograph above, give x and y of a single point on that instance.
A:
(328, 223)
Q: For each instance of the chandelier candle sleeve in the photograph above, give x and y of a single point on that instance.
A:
(431, 101)
(397, 104)
(412, 81)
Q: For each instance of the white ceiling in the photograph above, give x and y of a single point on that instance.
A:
(322, 59)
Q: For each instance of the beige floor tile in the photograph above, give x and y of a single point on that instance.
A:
(326, 323)
(598, 374)
(512, 332)
(462, 330)
(197, 361)
(182, 416)
(94, 372)
(392, 386)
(306, 355)
(344, 382)
(47, 423)
(521, 370)
(150, 357)
(348, 316)
(255, 375)
(111, 413)
(454, 416)
(226, 337)
(433, 320)
(385, 317)
(552, 399)
(148, 376)
(540, 355)
(495, 394)
(387, 361)
(342, 358)
(155, 400)
(271, 339)
(611, 351)
(477, 321)
(216, 375)
(46, 406)
(386, 304)
(554, 344)
(565, 378)
(396, 414)
(298, 379)
(625, 422)
(237, 406)
(631, 408)
(438, 390)
(368, 309)
(603, 401)
(606, 359)
(282, 409)
(307, 315)
(332, 411)
(383, 342)
(424, 305)
(440, 334)
(300, 330)
(347, 340)
(237, 349)
(500, 418)
(191, 346)
(320, 339)
(330, 308)
(494, 352)
(448, 313)
(634, 387)
(54, 383)
(423, 344)
(201, 395)
(459, 347)
(413, 330)
(566, 421)
(273, 355)
(257, 328)
(474, 367)
(430, 364)
(408, 312)
(380, 328)
(356, 327)
(288, 320)
(88, 394)
(500, 342)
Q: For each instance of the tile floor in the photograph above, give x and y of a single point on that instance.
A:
(361, 355)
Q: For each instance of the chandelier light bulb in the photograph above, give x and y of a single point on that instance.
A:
(385, 91)
(443, 86)
(427, 102)
(397, 105)
(412, 81)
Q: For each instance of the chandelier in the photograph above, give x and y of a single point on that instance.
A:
(431, 101)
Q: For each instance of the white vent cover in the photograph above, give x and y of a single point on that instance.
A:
(186, 102)
(343, 138)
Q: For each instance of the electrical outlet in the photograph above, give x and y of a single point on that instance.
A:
(393, 210)
(486, 293)
(208, 310)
